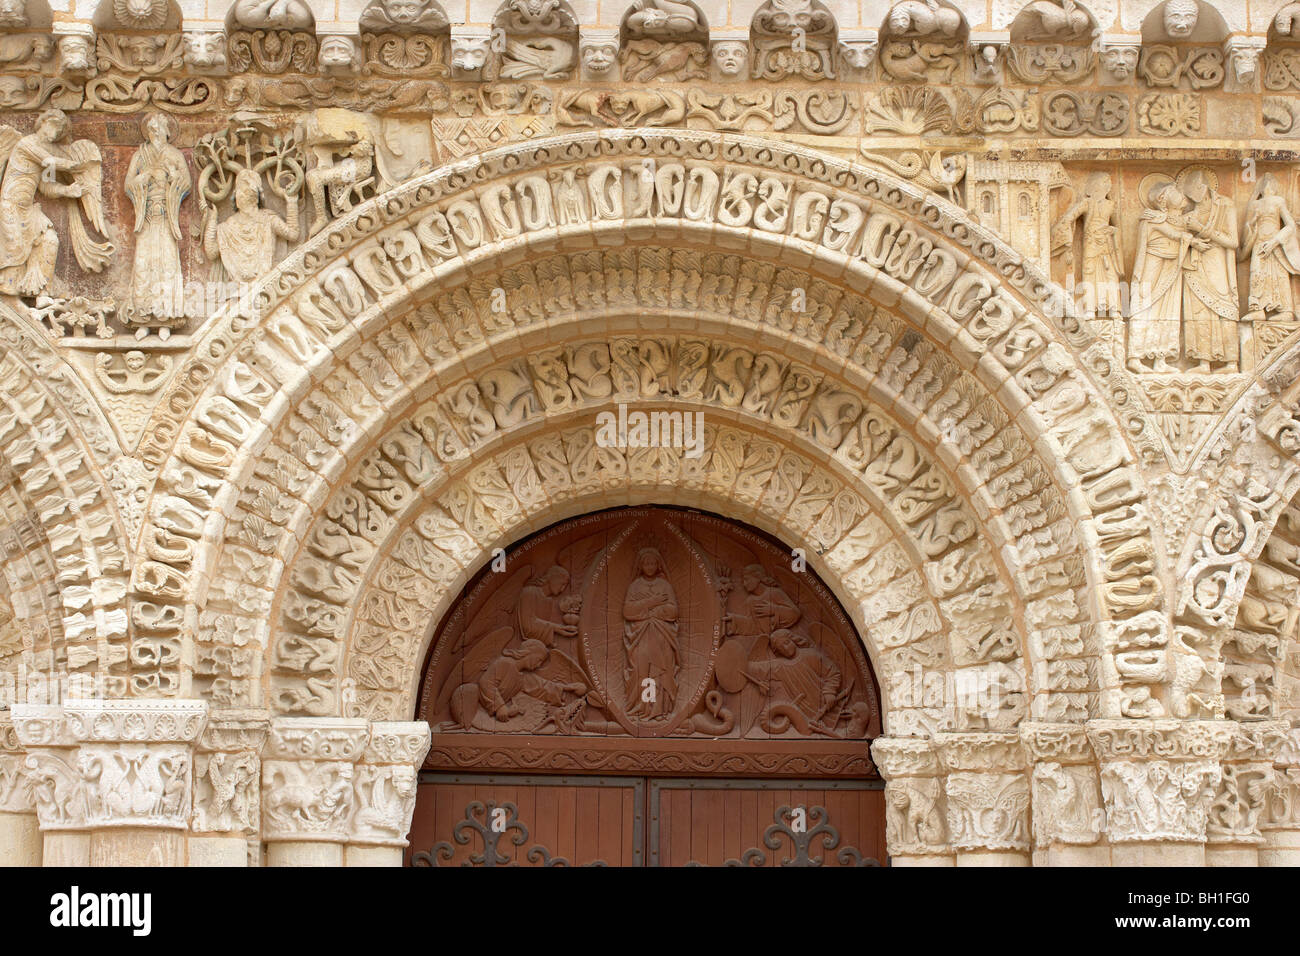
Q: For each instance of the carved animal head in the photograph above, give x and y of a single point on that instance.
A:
(205, 51)
(469, 55)
(858, 56)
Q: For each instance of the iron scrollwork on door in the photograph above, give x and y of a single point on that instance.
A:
(801, 826)
(490, 821)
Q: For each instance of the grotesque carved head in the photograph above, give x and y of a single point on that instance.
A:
(77, 55)
(205, 51)
(598, 57)
(857, 55)
(337, 54)
(1180, 18)
(404, 11)
(731, 56)
(1120, 61)
(1244, 65)
(468, 54)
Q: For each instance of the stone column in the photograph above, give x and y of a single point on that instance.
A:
(987, 789)
(308, 770)
(385, 786)
(55, 781)
(1233, 836)
(1280, 824)
(1068, 819)
(227, 788)
(1157, 777)
(136, 760)
(916, 826)
(20, 833)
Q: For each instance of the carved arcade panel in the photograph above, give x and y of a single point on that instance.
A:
(649, 623)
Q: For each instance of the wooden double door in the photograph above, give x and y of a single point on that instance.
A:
(467, 819)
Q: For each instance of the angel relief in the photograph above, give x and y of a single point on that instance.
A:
(633, 623)
(42, 165)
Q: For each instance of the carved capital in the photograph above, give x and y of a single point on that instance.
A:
(1151, 800)
(308, 778)
(916, 817)
(905, 757)
(227, 771)
(988, 811)
(386, 782)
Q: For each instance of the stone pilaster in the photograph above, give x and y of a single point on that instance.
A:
(385, 786)
(20, 833)
(308, 774)
(1280, 823)
(55, 782)
(1157, 778)
(227, 788)
(987, 789)
(1068, 819)
(916, 825)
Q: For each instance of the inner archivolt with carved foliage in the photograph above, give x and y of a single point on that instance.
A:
(650, 623)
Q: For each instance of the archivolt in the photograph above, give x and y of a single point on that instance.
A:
(851, 239)
(64, 548)
(356, 579)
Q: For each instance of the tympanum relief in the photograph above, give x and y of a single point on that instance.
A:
(650, 623)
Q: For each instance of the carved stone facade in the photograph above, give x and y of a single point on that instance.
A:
(976, 319)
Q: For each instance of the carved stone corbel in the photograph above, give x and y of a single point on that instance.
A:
(386, 780)
(1243, 55)
(76, 43)
(988, 51)
(598, 54)
(987, 790)
(308, 774)
(857, 51)
(471, 53)
(1068, 819)
(916, 827)
(1119, 58)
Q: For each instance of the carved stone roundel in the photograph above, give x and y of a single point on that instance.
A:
(650, 622)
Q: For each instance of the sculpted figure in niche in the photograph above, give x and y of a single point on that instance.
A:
(923, 18)
(664, 19)
(403, 16)
(1061, 21)
(31, 166)
(1180, 17)
(1272, 247)
(273, 15)
(650, 639)
(1210, 275)
(244, 245)
(1163, 244)
(545, 611)
(1101, 253)
(156, 182)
